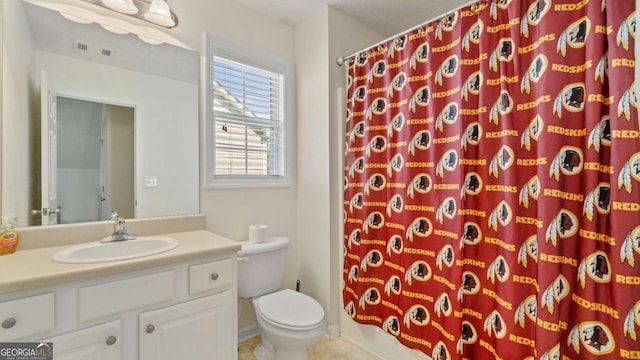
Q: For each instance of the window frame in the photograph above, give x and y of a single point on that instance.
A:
(258, 59)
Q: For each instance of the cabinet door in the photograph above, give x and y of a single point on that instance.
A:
(102, 342)
(196, 330)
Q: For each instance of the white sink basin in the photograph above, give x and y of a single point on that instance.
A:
(97, 252)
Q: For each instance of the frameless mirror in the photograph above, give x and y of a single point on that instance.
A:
(94, 122)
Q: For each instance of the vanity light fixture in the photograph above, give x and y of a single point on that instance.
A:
(149, 40)
(123, 6)
(75, 19)
(159, 13)
(114, 29)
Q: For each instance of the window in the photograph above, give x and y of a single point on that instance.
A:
(248, 118)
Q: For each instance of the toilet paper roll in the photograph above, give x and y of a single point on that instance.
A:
(258, 233)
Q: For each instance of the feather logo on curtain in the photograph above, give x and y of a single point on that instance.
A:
(447, 69)
(502, 106)
(350, 309)
(393, 285)
(421, 227)
(361, 59)
(472, 234)
(627, 27)
(375, 220)
(445, 257)
(440, 352)
(396, 204)
(502, 160)
(391, 325)
(419, 56)
(357, 166)
(598, 199)
(447, 209)
(555, 292)
(421, 184)
(472, 185)
(396, 124)
(630, 245)
(370, 297)
(563, 226)
(533, 74)
(628, 99)
(395, 165)
(448, 162)
(528, 249)
(353, 274)
(503, 52)
(531, 132)
(472, 135)
(417, 315)
(470, 285)
(534, 14)
(420, 98)
(596, 266)
(494, 324)
(498, 4)
(631, 320)
(354, 238)
(552, 353)
(379, 70)
(472, 85)
(501, 214)
(421, 141)
(568, 161)
(357, 132)
(530, 190)
(630, 170)
(373, 258)
(448, 115)
(602, 69)
(473, 35)
(498, 269)
(594, 336)
(446, 24)
(442, 305)
(378, 107)
(397, 44)
(394, 245)
(378, 145)
(397, 83)
(600, 135)
(528, 308)
(419, 270)
(468, 335)
(574, 36)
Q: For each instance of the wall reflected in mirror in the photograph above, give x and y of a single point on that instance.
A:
(103, 73)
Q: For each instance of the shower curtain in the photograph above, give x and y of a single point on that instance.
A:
(492, 183)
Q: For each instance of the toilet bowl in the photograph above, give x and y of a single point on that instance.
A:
(289, 321)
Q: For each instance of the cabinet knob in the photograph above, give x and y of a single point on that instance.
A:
(214, 276)
(150, 329)
(111, 340)
(9, 323)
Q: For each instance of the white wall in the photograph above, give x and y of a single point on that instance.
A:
(229, 212)
(17, 83)
(166, 116)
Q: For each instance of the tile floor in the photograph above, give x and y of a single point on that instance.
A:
(336, 349)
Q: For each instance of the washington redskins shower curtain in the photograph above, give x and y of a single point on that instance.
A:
(492, 183)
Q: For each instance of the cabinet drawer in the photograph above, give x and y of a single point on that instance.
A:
(27, 316)
(210, 276)
(102, 342)
(117, 297)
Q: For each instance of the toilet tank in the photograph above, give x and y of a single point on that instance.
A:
(261, 266)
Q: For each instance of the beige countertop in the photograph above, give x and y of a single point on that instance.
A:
(27, 269)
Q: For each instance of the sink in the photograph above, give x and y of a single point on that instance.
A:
(97, 252)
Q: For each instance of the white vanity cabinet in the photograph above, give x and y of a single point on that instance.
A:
(185, 310)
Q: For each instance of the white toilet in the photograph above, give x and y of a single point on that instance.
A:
(289, 321)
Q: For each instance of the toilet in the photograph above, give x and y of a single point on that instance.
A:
(289, 321)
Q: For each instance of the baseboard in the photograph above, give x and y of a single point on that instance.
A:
(333, 331)
(248, 332)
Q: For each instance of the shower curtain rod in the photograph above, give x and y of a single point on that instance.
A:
(341, 60)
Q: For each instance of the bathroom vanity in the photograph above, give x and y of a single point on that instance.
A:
(173, 305)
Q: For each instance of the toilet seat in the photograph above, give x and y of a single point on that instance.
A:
(289, 309)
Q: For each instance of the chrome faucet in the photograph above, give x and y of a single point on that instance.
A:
(119, 230)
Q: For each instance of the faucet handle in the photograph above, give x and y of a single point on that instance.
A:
(114, 215)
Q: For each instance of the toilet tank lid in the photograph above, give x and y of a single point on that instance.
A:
(272, 244)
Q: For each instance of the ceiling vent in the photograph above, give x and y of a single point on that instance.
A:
(106, 52)
(80, 46)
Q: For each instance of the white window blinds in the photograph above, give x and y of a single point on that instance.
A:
(248, 121)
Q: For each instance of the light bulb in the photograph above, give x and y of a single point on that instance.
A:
(123, 6)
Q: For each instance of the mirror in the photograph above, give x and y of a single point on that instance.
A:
(48, 63)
